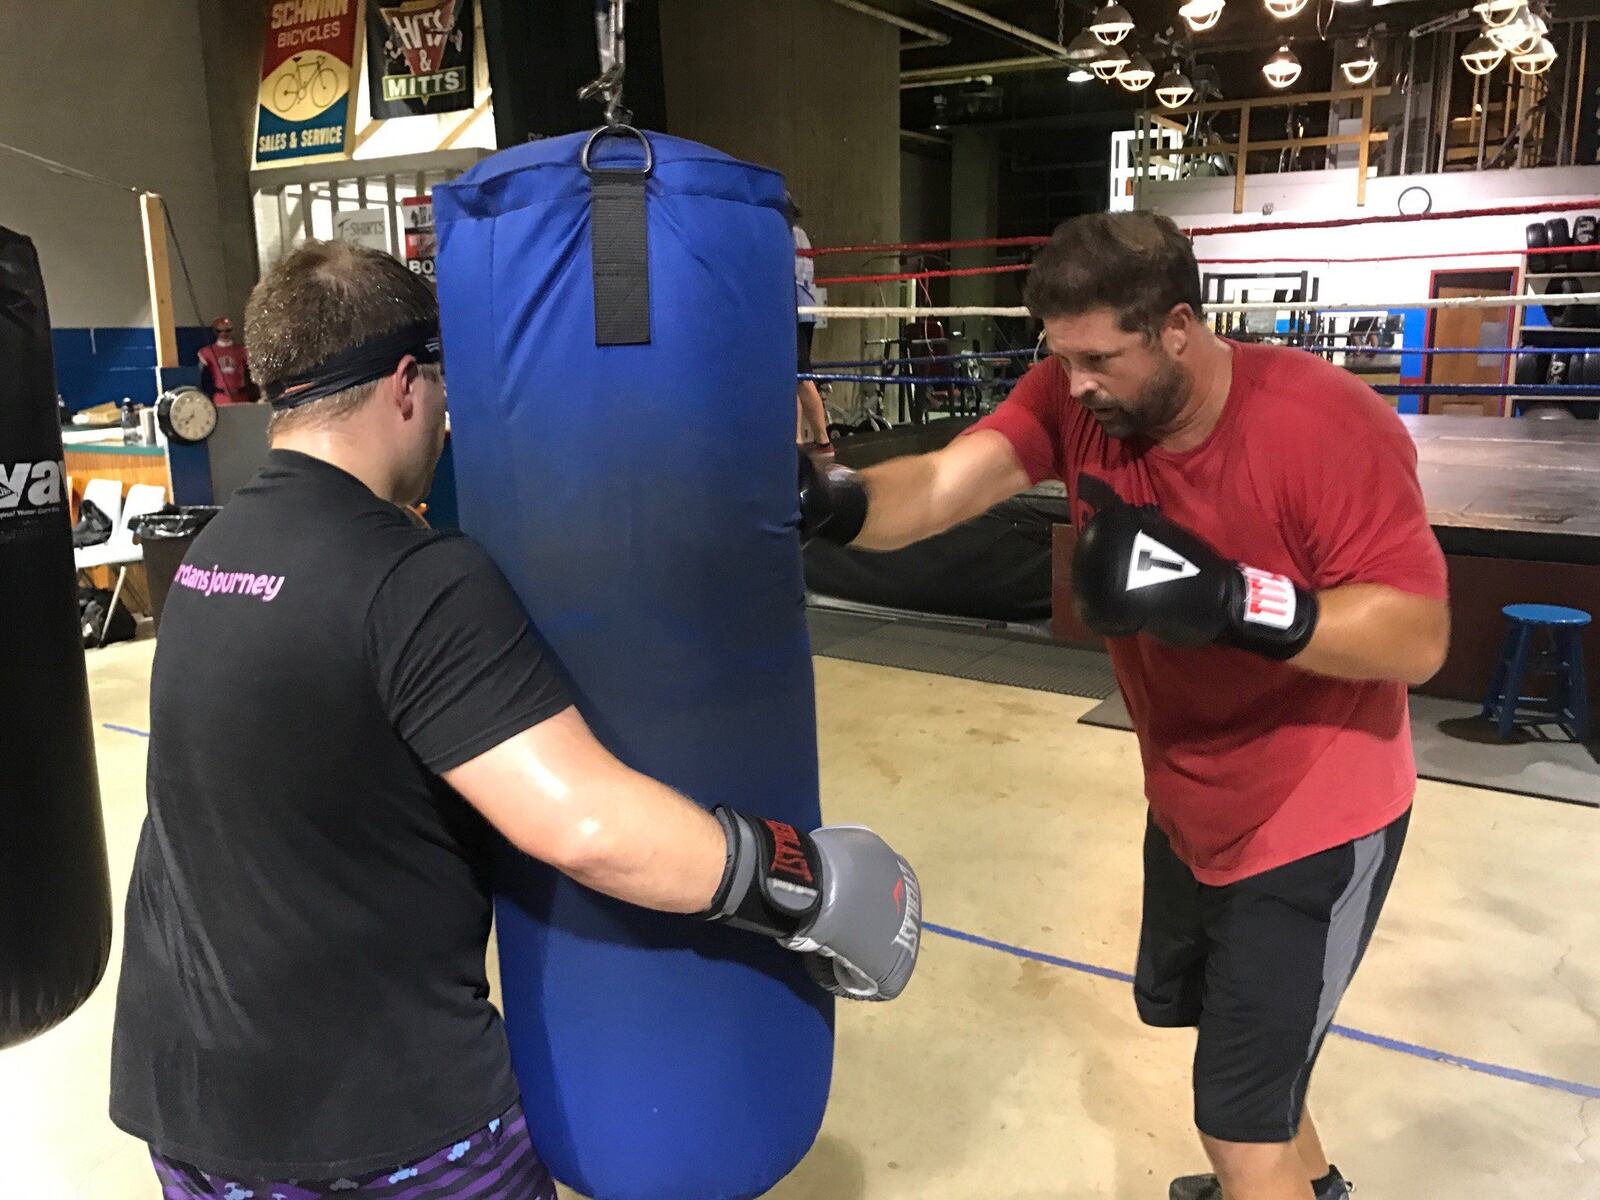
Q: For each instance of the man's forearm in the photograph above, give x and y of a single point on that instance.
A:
(644, 843)
(903, 503)
(1369, 631)
(559, 796)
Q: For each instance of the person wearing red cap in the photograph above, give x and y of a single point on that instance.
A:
(225, 367)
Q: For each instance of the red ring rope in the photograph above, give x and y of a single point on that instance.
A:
(895, 278)
(886, 248)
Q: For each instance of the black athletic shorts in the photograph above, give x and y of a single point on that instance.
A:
(1259, 966)
(803, 333)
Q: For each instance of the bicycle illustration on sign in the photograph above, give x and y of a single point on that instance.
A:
(305, 77)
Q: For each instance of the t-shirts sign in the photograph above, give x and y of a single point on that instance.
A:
(420, 55)
(306, 105)
(362, 227)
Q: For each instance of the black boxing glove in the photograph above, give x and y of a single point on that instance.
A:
(840, 896)
(833, 502)
(1134, 571)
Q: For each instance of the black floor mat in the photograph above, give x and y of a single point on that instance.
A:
(1454, 745)
(963, 652)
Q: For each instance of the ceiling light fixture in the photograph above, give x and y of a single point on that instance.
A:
(1138, 74)
(1174, 90)
(1497, 12)
(1201, 15)
(1283, 68)
(1482, 55)
(1110, 62)
(1537, 60)
(1111, 24)
(1362, 65)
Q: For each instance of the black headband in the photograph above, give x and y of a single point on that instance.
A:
(372, 359)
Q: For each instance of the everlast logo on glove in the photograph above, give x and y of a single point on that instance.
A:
(822, 895)
(789, 858)
(908, 901)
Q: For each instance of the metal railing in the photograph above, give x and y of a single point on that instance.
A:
(1240, 148)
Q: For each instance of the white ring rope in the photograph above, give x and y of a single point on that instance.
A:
(868, 312)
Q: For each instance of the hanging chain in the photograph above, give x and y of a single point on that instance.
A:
(609, 16)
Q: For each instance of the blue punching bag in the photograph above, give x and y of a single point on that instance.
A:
(619, 342)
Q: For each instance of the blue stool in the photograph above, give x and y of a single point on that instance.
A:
(1561, 656)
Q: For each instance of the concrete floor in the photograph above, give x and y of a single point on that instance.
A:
(999, 1076)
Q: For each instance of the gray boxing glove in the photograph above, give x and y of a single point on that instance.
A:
(840, 896)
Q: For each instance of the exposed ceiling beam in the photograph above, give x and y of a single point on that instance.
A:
(962, 72)
(926, 35)
(1015, 33)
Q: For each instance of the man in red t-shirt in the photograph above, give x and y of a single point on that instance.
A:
(1253, 543)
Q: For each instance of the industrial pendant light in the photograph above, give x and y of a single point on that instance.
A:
(1109, 63)
(1138, 74)
(1283, 68)
(1201, 15)
(1362, 66)
(1083, 49)
(1518, 35)
(1284, 9)
(1174, 90)
(1482, 55)
(1535, 61)
(1497, 12)
(1111, 24)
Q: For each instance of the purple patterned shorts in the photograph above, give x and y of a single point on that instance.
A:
(496, 1163)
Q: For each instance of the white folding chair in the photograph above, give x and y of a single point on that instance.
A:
(120, 550)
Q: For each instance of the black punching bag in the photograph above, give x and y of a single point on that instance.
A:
(55, 890)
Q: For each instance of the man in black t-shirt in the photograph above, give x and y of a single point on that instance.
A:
(344, 706)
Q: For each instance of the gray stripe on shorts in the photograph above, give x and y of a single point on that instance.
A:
(1345, 928)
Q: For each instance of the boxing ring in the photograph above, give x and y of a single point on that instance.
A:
(1514, 501)
(1511, 488)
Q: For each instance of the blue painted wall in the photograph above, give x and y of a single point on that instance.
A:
(101, 366)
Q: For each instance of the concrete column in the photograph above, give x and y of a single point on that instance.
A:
(974, 211)
(811, 89)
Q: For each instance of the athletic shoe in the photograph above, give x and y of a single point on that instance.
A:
(1205, 1187)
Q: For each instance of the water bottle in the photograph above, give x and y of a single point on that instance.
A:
(130, 422)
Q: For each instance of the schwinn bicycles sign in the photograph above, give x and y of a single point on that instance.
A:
(306, 106)
(420, 57)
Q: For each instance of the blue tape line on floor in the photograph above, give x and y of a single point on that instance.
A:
(1588, 1091)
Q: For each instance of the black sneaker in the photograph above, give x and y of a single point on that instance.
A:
(1334, 1186)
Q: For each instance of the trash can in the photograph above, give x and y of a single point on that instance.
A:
(166, 535)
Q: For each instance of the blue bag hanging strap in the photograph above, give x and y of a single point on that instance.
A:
(621, 260)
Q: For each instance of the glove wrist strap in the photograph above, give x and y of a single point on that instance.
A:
(1273, 617)
(770, 882)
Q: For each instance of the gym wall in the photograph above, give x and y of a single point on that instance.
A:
(763, 81)
(165, 119)
(1311, 196)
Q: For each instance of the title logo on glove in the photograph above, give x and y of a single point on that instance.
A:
(1152, 563)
